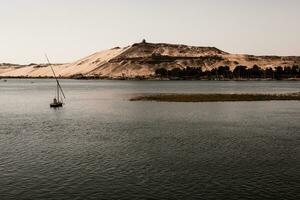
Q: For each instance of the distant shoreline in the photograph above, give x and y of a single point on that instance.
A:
(147, 61)
(217, 97)
(150, 79)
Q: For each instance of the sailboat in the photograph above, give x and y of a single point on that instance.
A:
(58, 100)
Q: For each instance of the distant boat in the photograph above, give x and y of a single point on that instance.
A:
(58, 100)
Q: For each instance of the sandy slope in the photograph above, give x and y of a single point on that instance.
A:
(4, 68)
(82, 66)
(142, 59)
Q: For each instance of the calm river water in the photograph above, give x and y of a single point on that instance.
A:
(102, 146)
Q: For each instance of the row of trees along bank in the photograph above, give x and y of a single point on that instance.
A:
(224, 72)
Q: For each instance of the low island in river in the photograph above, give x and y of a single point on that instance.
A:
(216, 97)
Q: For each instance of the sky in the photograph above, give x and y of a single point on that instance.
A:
(68, 30)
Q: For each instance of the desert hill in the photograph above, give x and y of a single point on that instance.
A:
(142, 59)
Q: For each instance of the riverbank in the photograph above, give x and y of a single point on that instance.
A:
(147, 78)
(216, 97)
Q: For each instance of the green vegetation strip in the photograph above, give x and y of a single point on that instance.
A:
(217, 97)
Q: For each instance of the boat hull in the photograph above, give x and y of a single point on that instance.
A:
(56, 105)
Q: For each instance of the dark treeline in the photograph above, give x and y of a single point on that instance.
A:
(224, 72)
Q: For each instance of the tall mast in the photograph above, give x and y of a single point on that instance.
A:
(58, 85)
(57, 93)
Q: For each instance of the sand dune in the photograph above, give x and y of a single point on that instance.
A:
(142, 59)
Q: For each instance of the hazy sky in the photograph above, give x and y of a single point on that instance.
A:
(71, 29)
